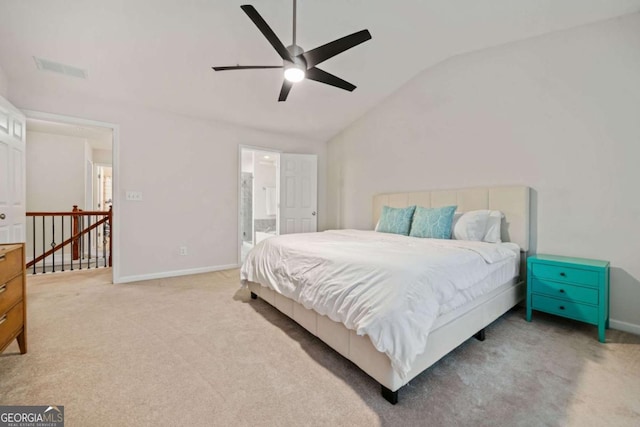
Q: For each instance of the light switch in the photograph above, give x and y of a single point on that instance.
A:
(135, 196)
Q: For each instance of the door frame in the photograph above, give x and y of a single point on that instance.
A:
(115, 180)
(239, 190)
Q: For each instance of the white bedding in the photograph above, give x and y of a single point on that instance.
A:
(386, 286)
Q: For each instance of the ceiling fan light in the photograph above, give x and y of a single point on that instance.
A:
(294, 74)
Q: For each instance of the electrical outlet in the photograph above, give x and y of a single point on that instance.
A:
(183, 250)
(135, 196)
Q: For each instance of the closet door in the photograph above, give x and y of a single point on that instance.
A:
(12, 174)
(298, 193)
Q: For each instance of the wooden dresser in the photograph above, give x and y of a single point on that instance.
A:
(13, 307)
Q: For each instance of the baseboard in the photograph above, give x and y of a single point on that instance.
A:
(174, 273)
(624, 326)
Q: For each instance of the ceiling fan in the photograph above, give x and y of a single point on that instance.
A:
(297, 63)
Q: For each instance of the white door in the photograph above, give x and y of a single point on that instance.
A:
(12, 174)
(298, 193)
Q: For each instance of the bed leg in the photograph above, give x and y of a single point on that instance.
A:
(254, 296)
(480, 335)
(390, 396)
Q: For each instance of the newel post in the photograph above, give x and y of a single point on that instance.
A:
(76, 229)
(110, 234)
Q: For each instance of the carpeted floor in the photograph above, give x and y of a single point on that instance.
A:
(197, 351)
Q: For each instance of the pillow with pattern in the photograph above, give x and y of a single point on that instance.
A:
(433, 223)
(395, 220)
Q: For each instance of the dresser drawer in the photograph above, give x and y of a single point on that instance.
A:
(573, 310)
(566, 274)
(10, 322)
(10, 293)
(565, 291)
(11, 260)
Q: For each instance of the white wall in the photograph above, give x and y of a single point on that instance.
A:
(187, 171)
(4, 84)
(102, 157)
(559, 113)
(55, 169)
(55, 172)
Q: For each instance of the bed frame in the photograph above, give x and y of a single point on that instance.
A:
(465, 322)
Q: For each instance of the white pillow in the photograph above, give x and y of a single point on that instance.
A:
(456, 217)
(471, 225)
(494, 223)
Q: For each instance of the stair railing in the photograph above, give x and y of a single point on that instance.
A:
(86, 240)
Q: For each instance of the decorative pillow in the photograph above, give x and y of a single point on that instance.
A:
(471, 225)
(493, 227)
(434, 223)
(395, 220)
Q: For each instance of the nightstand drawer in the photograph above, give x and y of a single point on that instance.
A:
(577, 311)
(566, 274)
(565, 291)
(10, 293)
(10, 262)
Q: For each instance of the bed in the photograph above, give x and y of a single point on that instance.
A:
(342, 327)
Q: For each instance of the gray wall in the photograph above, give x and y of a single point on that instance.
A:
(558, 113)
(187, 170)
(4, 84)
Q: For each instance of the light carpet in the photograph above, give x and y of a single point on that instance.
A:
(197, 351)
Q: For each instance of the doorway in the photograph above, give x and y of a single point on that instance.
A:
(258, 197)
(71, 158)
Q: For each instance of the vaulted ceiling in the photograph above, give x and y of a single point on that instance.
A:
(159, 53)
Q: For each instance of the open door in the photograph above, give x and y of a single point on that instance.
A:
(12, 174)
(298, 193)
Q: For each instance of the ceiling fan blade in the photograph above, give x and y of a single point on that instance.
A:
(329, 50)
(323, 77)
(246, 67)
(266, 31)
(284, 92)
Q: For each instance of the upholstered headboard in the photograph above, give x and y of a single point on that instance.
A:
(512, 201)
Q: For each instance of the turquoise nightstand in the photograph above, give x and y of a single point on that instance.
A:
(576, 288)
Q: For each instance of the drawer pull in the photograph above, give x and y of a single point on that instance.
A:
(3, 319)
(2, 257)
(562, 291)
(3, 288)
(563, 274)
(562, 307)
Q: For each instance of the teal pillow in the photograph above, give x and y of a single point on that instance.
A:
(434, 223)
(395, 220)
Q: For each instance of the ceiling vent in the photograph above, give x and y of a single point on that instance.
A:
(56, 67)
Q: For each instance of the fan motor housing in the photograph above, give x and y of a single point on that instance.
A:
(296, 56)
(295, 50)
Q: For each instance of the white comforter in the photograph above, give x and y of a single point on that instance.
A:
(386, 286)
